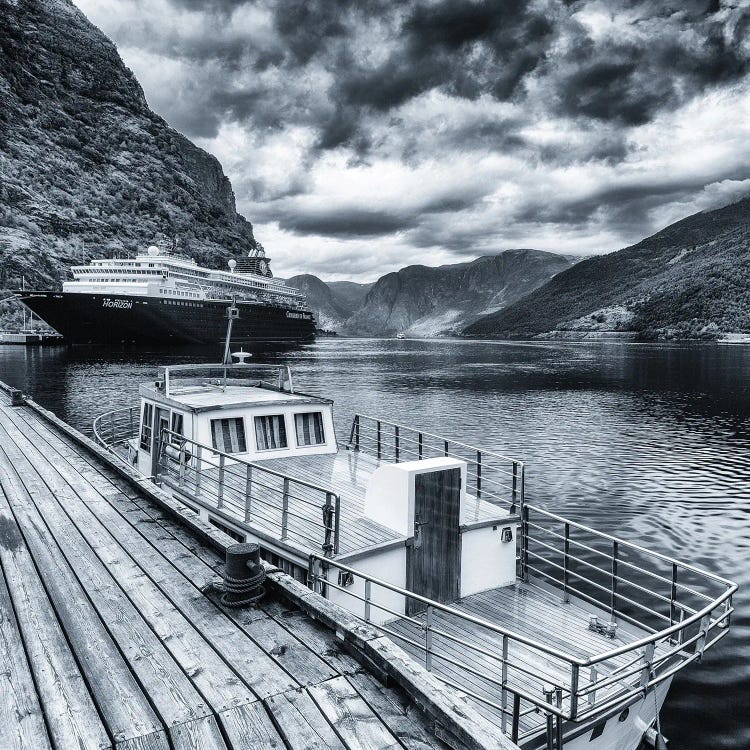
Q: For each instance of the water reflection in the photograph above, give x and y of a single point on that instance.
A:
(648, 442)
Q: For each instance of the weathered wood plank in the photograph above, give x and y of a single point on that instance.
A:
(118, 696)
(246, 657)
(301, 723)
(353, 720)
(21, 722)
(172, 693)
(250, 727)
(71, 716)
(201, 734)
(190, 650)
(397, 712)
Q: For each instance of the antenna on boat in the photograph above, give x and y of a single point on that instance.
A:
(233, 312)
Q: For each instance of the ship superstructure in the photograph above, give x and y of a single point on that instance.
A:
(163, 297)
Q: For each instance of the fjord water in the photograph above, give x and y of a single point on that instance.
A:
(648, 442)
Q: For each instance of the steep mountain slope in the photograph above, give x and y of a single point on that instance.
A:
(691, 279)
(332, 302)
(425, 301)
(86, 169)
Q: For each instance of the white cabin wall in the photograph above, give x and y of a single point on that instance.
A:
(389, 566)
(486, 561)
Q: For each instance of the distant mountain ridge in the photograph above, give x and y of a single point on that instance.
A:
(429, 301)
(689, 280)
(86, 168)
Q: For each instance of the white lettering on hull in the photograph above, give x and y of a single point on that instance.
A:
(118, 303)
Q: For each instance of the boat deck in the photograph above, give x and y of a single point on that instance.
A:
(107, 640)
(528, 610)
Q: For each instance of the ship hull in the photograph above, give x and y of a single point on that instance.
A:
(124, 319)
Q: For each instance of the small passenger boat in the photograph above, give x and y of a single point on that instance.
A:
(563, 636)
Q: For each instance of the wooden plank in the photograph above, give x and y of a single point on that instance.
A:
(114, 689)
(21, 721)
(301, 723)
(71, 716)
(180, 634)
(201, 734)
(318, 637)
(172, 693)
(250, 727)
(354, 721)
(243, 654)
(397, 712)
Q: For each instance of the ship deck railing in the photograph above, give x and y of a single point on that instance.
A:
(592, 624)
(275, 377)
(490, 476)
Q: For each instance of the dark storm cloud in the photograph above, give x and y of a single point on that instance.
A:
(342, 222)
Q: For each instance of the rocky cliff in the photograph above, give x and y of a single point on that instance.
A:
(424, 301)
(690, 280)
(86, 169)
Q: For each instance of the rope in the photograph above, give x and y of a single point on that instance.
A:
(238, 587)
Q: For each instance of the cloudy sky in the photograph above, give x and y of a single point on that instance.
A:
(365, 135)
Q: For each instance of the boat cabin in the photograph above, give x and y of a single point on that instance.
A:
(236, 410)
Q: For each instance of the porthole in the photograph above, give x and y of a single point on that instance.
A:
(624, 715)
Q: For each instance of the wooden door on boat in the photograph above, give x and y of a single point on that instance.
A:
(434, 557)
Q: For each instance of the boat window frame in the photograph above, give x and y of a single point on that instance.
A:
(282, 418)
(147, 427)
(243, 437)
(324, 437)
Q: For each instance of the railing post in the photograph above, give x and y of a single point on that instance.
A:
(132, 423)
(548, 693)
(558, 720)
(574, 677)
(514, 495)
(673, 594)
(368, 598)
(445, 448)
(504, 681)
(566, 563)
(700, 644)
(181, 469)
(398, 446)
(248, 492)
(613, 599)
(198, 467)
(220, 493)
(648, 657)
(336, 524)
(328, 526)
(378, 438)
(524, 543)
(428, 639)
(516, 717)
(592, 681)
(112, 426)
(479, 474)
(285, 511)
(419, 442)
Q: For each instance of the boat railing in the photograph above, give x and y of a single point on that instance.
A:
(683, 611)
(277, 377)
(490, 476)
(289, 509)
(115, 429)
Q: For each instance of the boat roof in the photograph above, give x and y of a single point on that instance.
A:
(211, 397)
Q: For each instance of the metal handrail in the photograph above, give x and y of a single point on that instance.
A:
(128, 416)
(330, 508)
(369, 434)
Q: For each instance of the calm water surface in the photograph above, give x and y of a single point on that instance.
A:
(648, 442)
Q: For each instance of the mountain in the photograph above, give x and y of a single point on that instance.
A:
(332, 302)
(690, 280)
(86, 168)
(425, 301)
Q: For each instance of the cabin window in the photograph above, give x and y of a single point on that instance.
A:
(177, 422)
(146, 427)
(270, 432)
(309, 428)
(228, 435)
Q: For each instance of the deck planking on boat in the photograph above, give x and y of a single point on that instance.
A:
(108, 640)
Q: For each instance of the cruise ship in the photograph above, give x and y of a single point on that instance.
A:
(160, 297)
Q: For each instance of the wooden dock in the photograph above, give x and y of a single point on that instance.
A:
(108, 640)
